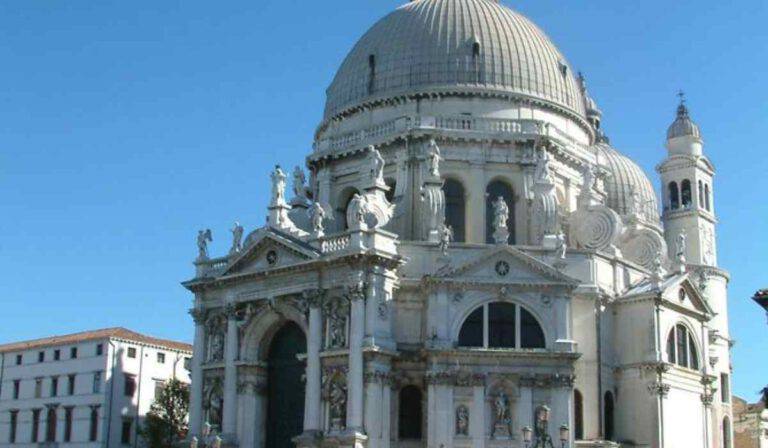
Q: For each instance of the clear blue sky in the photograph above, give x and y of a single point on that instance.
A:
(126, 126)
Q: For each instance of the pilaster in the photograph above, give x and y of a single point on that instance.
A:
(196, 389)
(229, 417)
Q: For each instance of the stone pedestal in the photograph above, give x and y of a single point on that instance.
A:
(347, 439)
(308, 439)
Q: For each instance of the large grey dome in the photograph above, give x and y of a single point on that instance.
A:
(454, 46)
(627, 180)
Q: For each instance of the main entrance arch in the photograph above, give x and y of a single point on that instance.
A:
(285, 392)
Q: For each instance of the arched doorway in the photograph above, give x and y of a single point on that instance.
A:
(285, 393)
(608, 416)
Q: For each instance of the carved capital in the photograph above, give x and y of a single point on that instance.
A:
(230, 311)
(313, 297)
(547, 380)
(378, 377)
(658, 388)
(707, 399)
(356, 291)
(198, 315)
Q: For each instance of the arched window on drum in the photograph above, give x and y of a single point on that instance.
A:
(455, 208)
(501, 325)
(493, 191)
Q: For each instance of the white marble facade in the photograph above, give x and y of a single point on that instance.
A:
(466, 258)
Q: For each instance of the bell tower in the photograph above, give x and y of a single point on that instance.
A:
(687, 193)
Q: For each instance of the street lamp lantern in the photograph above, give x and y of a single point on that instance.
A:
(527, 433)
(564, 434)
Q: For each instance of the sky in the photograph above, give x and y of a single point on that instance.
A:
(127, 126)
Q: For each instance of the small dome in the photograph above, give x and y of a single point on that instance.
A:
(455, 46)
(683, 126)
(628, 180)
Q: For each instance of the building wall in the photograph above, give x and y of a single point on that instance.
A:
(112, 365)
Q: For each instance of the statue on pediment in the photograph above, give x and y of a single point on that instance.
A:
(278, 178)
(203, 238)
(237, 238)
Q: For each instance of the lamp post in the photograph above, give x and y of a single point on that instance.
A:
(527, 432)
(564, 433)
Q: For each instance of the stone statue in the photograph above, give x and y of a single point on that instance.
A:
(542, 167)
(216, 347)
(237, 238)
(317, 215)
(434, 159)
(278, 187)
(501, 420)
(299, 183)
(376, 163)
(462, 421)
(635, 203)
(446, 236)
(203, 238)
(544, 217)
(562, 246)
(337, 397)
(500, 408)
(500, 217)
(336, 311)
(217, 441)
(193, 442)
(356, 212)
(500, 213)
(589, 179)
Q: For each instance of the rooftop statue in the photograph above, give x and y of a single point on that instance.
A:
(237, 238)
(278, 187)
(203, 238)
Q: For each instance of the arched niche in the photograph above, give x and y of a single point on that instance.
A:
(499, 187)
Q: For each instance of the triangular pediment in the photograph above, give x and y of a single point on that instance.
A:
(268, 248)
(508, 265)
(677, 292)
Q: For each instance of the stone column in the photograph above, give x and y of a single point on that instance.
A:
(475, 203)
(477, 425)
(355, 391)
(229, 424)
(312, 403)
(196, 389)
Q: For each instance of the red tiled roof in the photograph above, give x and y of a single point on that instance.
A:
(116, 333)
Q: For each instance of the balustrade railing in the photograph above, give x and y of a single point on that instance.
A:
(449, 123)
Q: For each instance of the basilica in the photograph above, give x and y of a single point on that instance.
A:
(464, 261)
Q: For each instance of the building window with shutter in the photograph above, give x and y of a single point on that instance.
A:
(68, 424)
(40, 356)
(35, 425)
(94, 428)
(131, 352)
(16, 389)
(97, 382)
(130, 385)
(73, 353)
(56, 355)
(50, 424)
(14, 423)
(38, 387)
(19, 359)
(160, 358)
(99, 349)
(71, 385)
(125, 433)
(54, 386)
